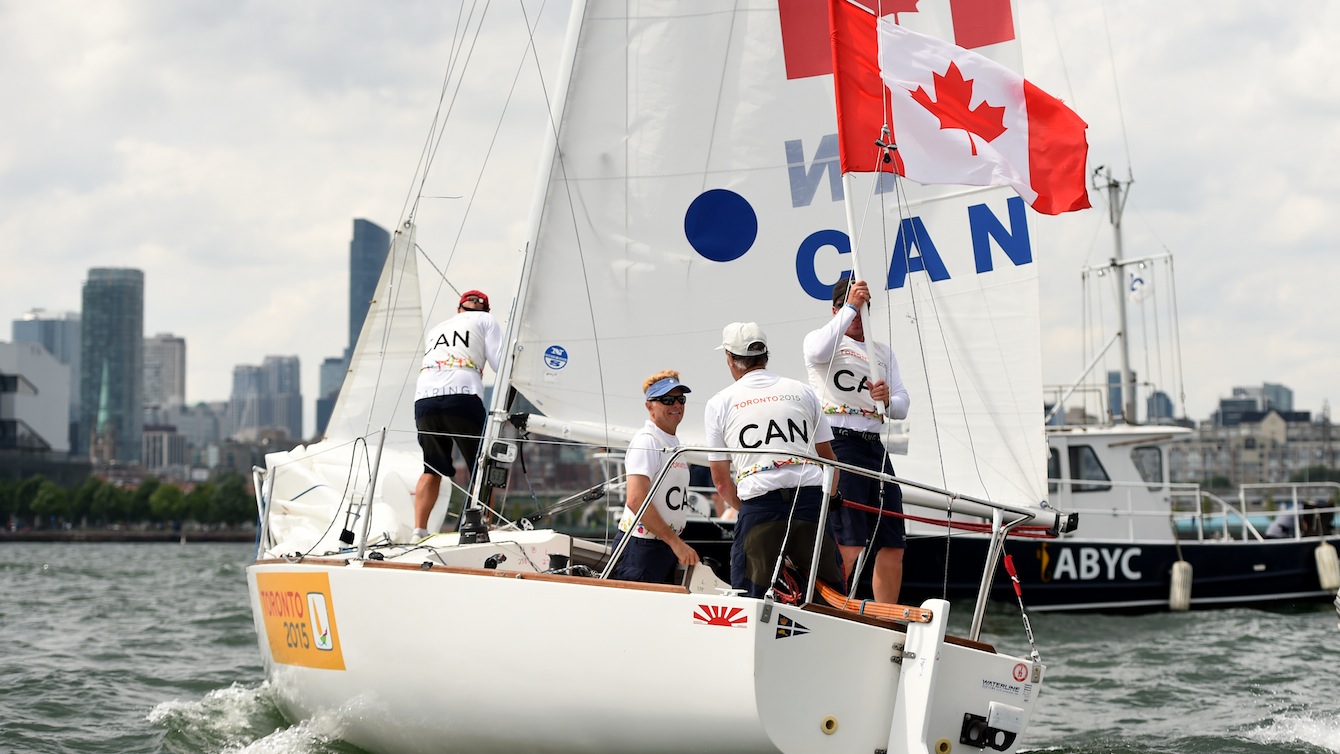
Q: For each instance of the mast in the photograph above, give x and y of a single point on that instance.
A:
(1117, 192)
(503, 380)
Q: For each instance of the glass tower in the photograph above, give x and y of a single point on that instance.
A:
(111, 380)
(367, 254)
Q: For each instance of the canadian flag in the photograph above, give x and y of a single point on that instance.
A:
(956, 116)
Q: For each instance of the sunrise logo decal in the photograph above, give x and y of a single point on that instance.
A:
(716, 615)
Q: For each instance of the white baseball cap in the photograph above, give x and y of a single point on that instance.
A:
(744, 339)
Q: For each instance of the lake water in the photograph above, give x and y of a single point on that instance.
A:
(151, 648)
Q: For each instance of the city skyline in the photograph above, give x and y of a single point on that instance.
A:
(226, 162)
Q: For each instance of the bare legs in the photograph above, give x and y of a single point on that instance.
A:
(887, 578)
(425, 497)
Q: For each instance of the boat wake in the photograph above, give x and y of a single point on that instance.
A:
(242, 720)
(1319, 730)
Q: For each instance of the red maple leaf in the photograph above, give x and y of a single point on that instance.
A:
(955, 94)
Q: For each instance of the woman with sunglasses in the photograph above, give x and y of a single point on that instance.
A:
(654, 547)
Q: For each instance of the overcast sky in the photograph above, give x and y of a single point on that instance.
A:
(225, 147)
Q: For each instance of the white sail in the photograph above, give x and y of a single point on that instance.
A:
(378, 389)
(317, 490)
(696, 182)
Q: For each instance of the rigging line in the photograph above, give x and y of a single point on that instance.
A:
(390, 297)
(1121, 110)
(958, 390)
(562, 167)
(493, 140)
(1158, 335)
(904, 209)
(1177, 339)
(1060, 53)
(460, 81)
(349, 481)
(425, 152)
(716, 114)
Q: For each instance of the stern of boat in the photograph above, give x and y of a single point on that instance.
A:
(828, 682)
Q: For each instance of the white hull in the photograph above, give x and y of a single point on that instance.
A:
(491, 661)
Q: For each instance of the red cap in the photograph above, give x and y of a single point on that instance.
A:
(478, 296)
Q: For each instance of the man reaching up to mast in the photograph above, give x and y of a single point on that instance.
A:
(857, 394)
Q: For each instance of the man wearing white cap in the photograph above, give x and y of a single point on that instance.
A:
(447, 398)
(654, 547)
(859, 383)
(781, 417)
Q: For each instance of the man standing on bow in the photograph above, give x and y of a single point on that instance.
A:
(448, 402)
(859, 385)
(766, 412)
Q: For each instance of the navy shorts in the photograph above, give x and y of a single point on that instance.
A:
(759, 531)
(854, 527)
(446, 419)
(649, 560)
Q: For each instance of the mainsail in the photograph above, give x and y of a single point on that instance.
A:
(695, 182)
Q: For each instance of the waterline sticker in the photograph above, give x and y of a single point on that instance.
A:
(299, 618)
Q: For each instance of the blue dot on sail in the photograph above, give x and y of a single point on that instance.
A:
(720, 225)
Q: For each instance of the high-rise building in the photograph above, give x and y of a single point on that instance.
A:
(1277, 397)
(244, 403)
(367, 256)
(58, 332)
(1159, 408)
(331, 379)
(111, 390)
(283, 391)
(164, 370)
(1114, 397)
(266, 397)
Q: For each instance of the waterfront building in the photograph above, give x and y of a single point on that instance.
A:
(1258, 447)
(58, 332)
(35, 417)
(112, 364)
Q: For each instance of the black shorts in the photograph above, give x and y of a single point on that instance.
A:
(446, 419)
(648, 560)
(854, 527)
(759, 532)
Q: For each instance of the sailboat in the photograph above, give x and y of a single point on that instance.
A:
(689, 180)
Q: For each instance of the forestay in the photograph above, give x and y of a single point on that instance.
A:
(695, 182)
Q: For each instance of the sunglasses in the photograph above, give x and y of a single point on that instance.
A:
(670, 400)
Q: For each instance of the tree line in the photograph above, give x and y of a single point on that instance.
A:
(40, 503)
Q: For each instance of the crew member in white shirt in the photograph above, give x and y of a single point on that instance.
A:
(448, 399)
(856, 400)
(654, 547)
(764, 411)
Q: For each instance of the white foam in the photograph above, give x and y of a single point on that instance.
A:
(235, 720)
(1322, 731)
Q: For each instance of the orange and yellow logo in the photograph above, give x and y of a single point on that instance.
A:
(300, 619)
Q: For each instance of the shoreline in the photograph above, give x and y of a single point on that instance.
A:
(128, 535)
